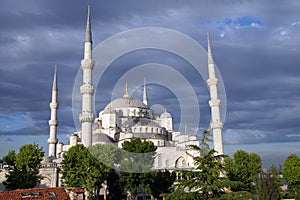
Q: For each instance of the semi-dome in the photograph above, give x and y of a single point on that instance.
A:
(101, 137)
(125, 102)
(165, 115)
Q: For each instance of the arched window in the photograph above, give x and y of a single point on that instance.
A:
(180, 162)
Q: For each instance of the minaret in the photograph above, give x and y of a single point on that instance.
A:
(145, 98)
(52, 141)
(214, 103)
(87, 89)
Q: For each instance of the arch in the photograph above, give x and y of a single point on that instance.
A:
(180, 162)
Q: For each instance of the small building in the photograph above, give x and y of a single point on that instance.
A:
(59, 193)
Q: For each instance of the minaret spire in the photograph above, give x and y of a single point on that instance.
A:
(88, 33)
(52, 140)
(214, 103)
(145, 98)
(87, 88)
(126, 95)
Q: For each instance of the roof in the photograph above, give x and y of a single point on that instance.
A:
(58, 193)
(101, 137)
(143, 122)
(125, 102)
(165, 115)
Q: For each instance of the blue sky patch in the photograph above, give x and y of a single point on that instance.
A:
(247, 21)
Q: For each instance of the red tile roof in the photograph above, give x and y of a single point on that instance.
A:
(58, 193)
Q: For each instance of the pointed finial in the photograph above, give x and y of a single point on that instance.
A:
(88, 33)
(209, 53)
(54, 86)
(126, 91)
(145, 98)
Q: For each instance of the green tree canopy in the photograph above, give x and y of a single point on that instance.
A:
(243, 167)
(268, 185)
(205, 181)
(81, 169)
(136, 165)
(108, 154)
(23, 167)
(291, 172)
(162, 182)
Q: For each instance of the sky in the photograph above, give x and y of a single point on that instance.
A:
(255, 46)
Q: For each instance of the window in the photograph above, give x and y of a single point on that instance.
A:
(52, 195)
(29, 194)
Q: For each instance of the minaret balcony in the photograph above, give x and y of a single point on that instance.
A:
(216, 125)
(52, 140)
(52, 122)
(214, 102)
(87, 89)
(86, 117)
(212, 81)
(87, 64)
(53, 105)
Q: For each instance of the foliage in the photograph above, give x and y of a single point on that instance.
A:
(268, 185)
(114, 185)
(204, 146)
(23, 167)
(181, 195)
(81, 169)
(291, 172)
(206, 181)
(162, 182)
(108, 154)
(243, 167)
(139, 158)
(241, 195)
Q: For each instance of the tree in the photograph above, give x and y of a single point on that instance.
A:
(136, 165)
(268, 185)
(291, 172)
(114, 185)
(81, 169)
(23, 168)
(162, 182)
(109, 155)
(243, 167)
(206, 181)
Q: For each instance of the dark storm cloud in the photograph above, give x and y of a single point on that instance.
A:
(255, 45)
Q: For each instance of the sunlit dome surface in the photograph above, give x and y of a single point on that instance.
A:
(125, 102)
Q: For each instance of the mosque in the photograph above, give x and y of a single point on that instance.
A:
(125, 118)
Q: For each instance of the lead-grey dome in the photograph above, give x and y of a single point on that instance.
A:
(125, 102)
(101, 137)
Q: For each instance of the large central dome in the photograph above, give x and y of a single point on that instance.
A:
(125, 102)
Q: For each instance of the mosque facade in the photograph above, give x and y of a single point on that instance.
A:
(126, 118)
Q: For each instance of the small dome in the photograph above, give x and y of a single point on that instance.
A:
(47, 159)
(159, 136)
(109, 111)
(165, 115)
(125, 102)
(101, 137)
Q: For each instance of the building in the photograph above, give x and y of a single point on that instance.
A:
(125, 118)
(60, 193)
